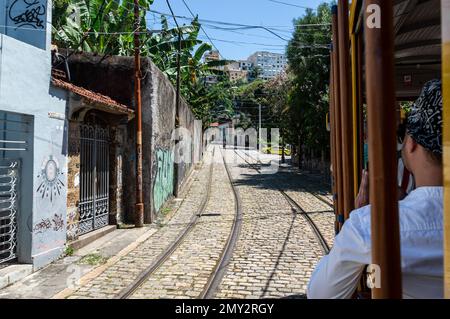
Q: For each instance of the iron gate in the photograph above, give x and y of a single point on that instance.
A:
(9, 176)
(94, 178)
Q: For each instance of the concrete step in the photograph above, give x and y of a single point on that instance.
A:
(88, 238)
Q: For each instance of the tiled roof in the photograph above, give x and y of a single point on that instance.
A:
(92, 97)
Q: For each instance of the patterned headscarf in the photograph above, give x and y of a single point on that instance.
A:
(424, 123)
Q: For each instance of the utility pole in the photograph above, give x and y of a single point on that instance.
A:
(139, 218)
(259, 128)
(177, 109)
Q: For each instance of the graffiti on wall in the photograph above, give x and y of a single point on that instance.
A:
(28, 13)
(56, 223)
(163, 186)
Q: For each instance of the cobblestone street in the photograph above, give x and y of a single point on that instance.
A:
(277, 250)
(272, 256)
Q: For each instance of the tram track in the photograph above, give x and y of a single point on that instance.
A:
(216, 277)
(217, 274)
(322, 241)
(319, 196)
(298, 208)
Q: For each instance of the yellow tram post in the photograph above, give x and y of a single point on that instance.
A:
(337, 118)
(445, 13)
(346, 108)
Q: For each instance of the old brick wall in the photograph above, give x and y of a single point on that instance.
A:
(116, 186)
(73, 180)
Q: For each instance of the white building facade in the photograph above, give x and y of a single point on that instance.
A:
(271, 64)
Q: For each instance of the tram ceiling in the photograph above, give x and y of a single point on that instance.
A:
(417, 44)
(417, 28)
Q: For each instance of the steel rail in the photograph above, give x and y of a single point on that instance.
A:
(216, 277)
(144, 275)
(315, 194)
(323, 243)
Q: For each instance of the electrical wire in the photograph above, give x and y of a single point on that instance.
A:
(201, 27)
(226, 23)
(292, 5)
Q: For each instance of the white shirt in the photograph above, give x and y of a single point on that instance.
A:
(421, 235)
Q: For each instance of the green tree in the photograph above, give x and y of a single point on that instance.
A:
(277, 98)
(212, 103)
(102, 26)
(107, 27)
(308, 55)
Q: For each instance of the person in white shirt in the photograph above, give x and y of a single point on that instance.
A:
(420, 214)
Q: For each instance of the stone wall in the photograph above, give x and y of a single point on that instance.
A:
(73, 180)
(160, 174)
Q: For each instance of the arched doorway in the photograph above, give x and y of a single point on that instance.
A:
(94, 174)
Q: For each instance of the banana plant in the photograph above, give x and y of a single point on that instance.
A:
(107, 27)
(102, 26)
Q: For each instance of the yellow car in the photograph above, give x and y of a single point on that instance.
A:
(268, 150)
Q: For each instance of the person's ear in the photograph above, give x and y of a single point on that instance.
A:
(413, 145)
(410, 146)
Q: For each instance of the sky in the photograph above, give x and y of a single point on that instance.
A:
(239, 42)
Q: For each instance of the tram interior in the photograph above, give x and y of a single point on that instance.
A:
(417, 55)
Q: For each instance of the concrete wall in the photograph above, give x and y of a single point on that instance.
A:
(27, 21)
(159, 116)
(160, 175)
(25, 88)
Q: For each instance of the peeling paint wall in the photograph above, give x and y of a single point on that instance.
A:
(158, 115)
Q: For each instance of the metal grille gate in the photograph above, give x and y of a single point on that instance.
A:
(9, 176)
(94, 178)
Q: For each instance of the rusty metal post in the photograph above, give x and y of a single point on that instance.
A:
(177, 110)
(346, 108)
(382, 144)
(333, 143)
(139, 218)
(445, 13)
(337, 119)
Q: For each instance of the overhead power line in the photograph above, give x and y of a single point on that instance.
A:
(226, 23)
(274, 45)
(243, 25)
(201, 27)
(290, 4)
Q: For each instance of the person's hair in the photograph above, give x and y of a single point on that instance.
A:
(435, 158)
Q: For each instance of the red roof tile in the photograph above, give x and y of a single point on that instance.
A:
(92, 97)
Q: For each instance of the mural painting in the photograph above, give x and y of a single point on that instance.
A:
(163, 186)
(51, 179)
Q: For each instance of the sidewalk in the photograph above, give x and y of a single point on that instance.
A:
(64, 275)
(57, 276)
